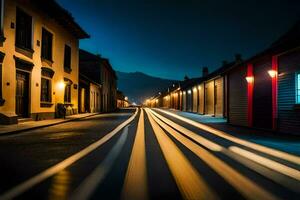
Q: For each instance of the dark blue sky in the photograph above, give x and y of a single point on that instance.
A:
(169, 38)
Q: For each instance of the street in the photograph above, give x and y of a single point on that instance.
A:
(143, 153)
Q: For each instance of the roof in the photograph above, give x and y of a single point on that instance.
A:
(109, 67)
(90, 65)
(62, 16)
(88, 56)
(290, 38)
(287, 41)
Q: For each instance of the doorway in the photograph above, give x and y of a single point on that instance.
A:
(22, 94)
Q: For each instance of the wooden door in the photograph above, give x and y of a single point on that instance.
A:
(209, 98)
(22, 94)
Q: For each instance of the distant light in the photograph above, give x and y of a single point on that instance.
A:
(156, 101)
(272, 73)
(199, 87)
(189, 91)
(61, 85)
(250, 79)
(173, 85)
(195, 89)
(126, 98)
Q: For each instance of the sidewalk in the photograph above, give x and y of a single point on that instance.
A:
(30, 125)
(283, 142)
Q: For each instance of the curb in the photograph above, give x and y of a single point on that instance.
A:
(43, 126)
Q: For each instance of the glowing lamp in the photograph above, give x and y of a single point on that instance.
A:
(272, 73)
(126, 98)
(156, 101)
(189, 92)
(250, 79)
(199, 87)
(195, 89)
(61, 85)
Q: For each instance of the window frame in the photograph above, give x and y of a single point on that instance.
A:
(67, 63)
(44, 55)
(70, 94)
(49, 90)
(297, 91)
(1, 16)
(30, 36)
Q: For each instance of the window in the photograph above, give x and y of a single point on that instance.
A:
(1, 16)
(67, 60)
(298, 88)
(68, 93)
(23, 30)
(47, 44)
(45, 90)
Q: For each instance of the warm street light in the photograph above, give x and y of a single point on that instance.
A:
(272, 73)
(61, 85)
(189, 92)
(195, 89)
(250, 79)
(126, 98)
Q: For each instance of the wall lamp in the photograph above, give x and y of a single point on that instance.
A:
(250, 79)
(272, 73)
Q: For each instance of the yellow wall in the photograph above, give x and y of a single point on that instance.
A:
(60, 38)
(95, 96)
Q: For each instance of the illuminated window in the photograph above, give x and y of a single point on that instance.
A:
(46, 44)
(298, 88)
(45, 90)
(23, 30)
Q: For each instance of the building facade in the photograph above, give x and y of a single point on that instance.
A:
(89, 95)
(101, 72)
(122, 100)
(261, 92)
(109, 86)
(264, 90)
(39, 60)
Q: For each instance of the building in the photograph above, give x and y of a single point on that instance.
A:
(101, 72)
(264, 91)
(122, 100)
(109, 86)
(89, 95)
(39, 60)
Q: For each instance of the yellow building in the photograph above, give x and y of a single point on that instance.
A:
(39, 60)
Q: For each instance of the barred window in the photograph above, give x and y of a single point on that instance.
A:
(67, 93)
(46, 44)
(67, 59)
(23, 30)
(45, 90)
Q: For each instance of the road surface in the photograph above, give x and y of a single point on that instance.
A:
(142, 154)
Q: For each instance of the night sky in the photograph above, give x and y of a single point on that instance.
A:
(169, 38)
